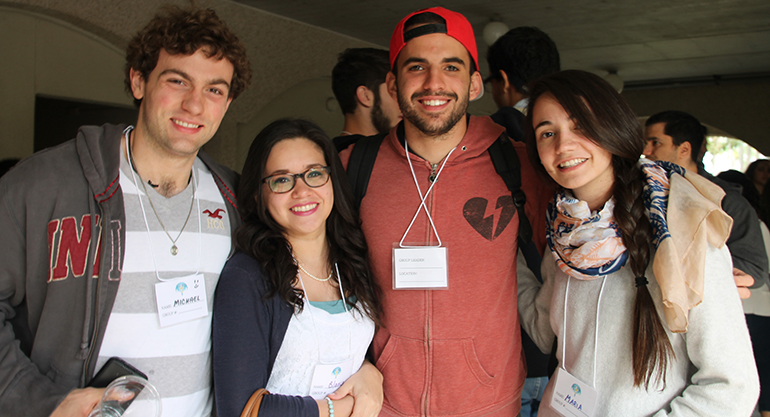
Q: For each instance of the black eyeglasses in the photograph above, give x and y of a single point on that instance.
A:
(283, 183)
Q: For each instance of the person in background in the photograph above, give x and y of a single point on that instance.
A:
(759, 172)
(296, 306)
(520, 56)
(675, 136)
(104, 233)
(515, 59)
(358, 83)
(757, 307)
(639, 290)
(748, 190)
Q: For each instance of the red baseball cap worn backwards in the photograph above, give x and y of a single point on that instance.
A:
(457, 26)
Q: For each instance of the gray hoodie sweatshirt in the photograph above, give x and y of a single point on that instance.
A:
(61, 251)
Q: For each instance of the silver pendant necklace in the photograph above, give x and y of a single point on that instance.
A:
(174, 249)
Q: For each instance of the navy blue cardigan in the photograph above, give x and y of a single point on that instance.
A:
(247, 333)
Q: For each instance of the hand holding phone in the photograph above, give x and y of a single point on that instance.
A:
(114, 368)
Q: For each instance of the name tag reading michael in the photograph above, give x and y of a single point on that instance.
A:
(181, 300)
(419, 268)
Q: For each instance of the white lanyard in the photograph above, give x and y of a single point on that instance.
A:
(596, 328)
(423, 198)
(570, 396)
(312, 317)
(144, 214)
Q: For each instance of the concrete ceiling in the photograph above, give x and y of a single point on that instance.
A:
(641, 40)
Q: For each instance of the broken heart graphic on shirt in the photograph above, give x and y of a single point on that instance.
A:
(483, 220)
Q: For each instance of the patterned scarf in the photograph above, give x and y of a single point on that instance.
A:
(588, 245)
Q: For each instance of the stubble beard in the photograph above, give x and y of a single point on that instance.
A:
(425, 126)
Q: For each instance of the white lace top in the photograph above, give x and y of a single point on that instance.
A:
(312, 334)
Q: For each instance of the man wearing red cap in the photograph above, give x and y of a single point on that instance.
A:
(442, 228)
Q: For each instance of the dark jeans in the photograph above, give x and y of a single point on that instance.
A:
(532, 395)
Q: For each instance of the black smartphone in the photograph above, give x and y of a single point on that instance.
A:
(113, 368)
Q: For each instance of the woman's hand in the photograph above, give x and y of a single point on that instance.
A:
(365, 386)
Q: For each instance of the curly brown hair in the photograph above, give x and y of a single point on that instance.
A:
(180, 31)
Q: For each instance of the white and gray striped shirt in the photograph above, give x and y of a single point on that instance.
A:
(177, 358)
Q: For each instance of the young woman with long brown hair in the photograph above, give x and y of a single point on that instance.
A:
(296, 307)
(639, 291)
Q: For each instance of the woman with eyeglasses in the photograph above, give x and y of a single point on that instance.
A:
(296, 307)
(639, 289)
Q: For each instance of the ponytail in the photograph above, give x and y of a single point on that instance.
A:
(608, 120)
(651, 346)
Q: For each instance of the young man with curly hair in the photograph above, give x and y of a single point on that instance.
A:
(113, 242)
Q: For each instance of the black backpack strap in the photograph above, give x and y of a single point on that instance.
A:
(504, 158)
(361, 163)
(507, 165)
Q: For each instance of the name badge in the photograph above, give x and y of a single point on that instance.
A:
(572, 397)
(328, 377)
(419, 268)
(182, 299)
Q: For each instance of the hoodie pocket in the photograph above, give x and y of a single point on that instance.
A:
(460, 384)
(402, 364)
(60, 378)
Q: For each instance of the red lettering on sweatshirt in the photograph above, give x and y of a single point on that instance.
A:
(72, 247)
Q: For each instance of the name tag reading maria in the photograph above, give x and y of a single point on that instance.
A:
(181, 300)
(420, 268)
(572, 397)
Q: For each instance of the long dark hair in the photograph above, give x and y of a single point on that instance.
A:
(753, 167)
(608, 121)
(262, 237)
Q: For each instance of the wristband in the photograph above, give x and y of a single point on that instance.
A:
(331, 406)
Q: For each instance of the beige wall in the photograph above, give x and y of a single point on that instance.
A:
(50, 57)
(74, 49)
(310, 99)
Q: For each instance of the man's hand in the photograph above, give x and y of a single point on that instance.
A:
(365, 386)
(743, 281)
(79, 403)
